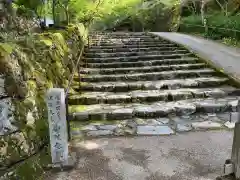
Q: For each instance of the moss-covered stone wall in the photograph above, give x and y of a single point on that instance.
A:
(30, 66)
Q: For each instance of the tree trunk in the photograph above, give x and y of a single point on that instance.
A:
(67, 15)
(202, 11)
(53, 11)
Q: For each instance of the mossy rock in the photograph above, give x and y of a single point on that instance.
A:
(32, 168)
(76, 108)
(5, 49)
(35, 64)
(14, 148)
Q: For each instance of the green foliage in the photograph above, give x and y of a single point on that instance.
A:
(219, 25)
(30, 7)
(231, 42)
(106, 14)
(194, 19)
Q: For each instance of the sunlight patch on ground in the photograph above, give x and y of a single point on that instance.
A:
(90, 145)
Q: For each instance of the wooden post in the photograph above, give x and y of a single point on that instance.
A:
(236, 146)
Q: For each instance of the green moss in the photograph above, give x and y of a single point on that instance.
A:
(47, 42)
(40, 62)
(77, 108)
(32, 168)
(75, 84)
(79, 125)
(5, 49)
(75, 96)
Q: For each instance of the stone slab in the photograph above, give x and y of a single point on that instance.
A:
(89, 128)
(206, 125)
(229, 124)
(57, 125)
(107, 127)
(99, 133)
(183, 128)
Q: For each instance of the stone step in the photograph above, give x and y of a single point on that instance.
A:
(202, 82)
(153, 110)
(127, 38)
(133, 46)
(123, 35)
(142, 69)
(125, 54)
(150, 76)
(143, 63)
(141, 96)
(153, 126)
(126, 49)
(126, 42)
(137, 58)
(124, 39)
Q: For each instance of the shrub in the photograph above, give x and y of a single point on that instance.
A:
(219, 25)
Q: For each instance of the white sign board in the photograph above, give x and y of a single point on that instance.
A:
(57, 125)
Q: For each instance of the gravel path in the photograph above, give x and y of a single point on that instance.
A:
(188, 156)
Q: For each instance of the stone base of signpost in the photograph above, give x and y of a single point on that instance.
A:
(70, 164)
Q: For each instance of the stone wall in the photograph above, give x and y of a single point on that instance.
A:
(30, 66)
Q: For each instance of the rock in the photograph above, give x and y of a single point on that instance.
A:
(131, 124)
(234, 116)
(212, 117)
(147, 122)
(185, 119)
(140, 121)
(224, 116)
(124, 113)
(229, 124)
(163, 120)
(153, 122)
(154, 130)
(206, 125)
(125, 127)
(212, 106)
(2, 90)
(99, 133)
(119, 132)
(89, 128)
(6, 117)
(130, 131)
(30, 119)
(183, 128)
(107, 127)
(143, 109)
(185, 108)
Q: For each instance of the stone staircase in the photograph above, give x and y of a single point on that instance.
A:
(140, 84)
